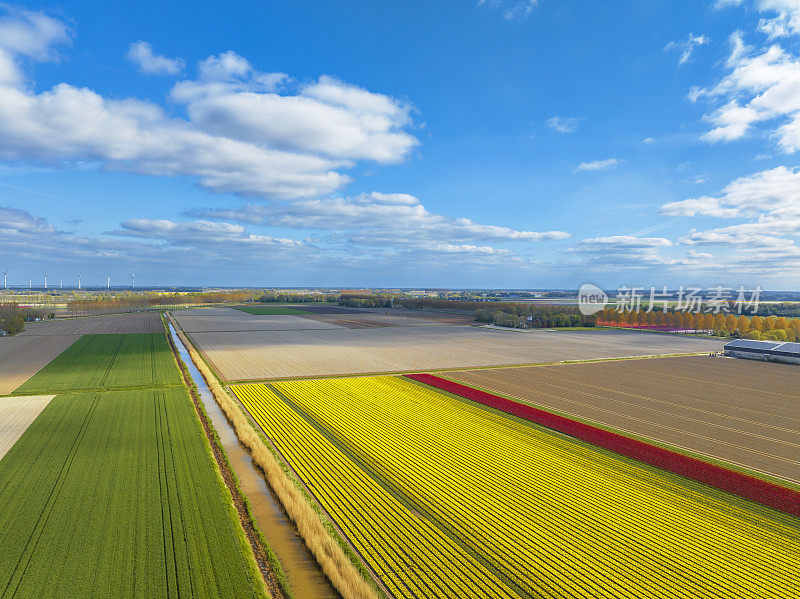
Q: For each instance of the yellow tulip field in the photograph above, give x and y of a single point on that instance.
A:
(443, 497)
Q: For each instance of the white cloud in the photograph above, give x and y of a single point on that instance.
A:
(599, 165)
(785, 22)
(27, 34)
(626, 252)
(511, 9)
(388, 220)
(141, 54)
(629, 241)
(768, 202)
(703, 206)
(762, 86)
(563, 124)
(649, 140)
(687, 46)
(241, 137)
(326, 117)
(199, 232)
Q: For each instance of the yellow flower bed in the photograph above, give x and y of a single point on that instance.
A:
(444, 498)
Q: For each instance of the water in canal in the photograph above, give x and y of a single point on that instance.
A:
(306, 579)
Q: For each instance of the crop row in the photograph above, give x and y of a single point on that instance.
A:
(410, 555)
(549, 515)
(107, 362)
(114, 494)
(746, 486)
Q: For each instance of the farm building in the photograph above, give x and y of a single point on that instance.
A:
(764, 350)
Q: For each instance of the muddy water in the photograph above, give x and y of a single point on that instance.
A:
(306, 580)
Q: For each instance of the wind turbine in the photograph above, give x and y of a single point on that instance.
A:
(45, 280)
(133, 280)
(5, 280)
(79, 281)
(108, 281)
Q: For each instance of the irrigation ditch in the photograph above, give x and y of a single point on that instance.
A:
(285, 533)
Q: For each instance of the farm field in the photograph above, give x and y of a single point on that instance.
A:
(274, 354)
(739, 411)
(107, 362)
(115, 494)
(228, 319)
(16, 414)
(22, 357)
(146, 322)
(270, 310)
(546, 515)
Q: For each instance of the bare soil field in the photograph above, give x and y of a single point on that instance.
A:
(146, 322)
(350, 322)
(228, 319)
(424, 315)
(740, 411)
(281, 354)
(16, 414)
(375, 317)
(21, 357)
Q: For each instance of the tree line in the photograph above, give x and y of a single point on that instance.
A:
(507, 314)
(137, 302)
(769, 328)
(13, 317)
(270, 297)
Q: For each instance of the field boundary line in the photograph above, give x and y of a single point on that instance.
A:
(454, 369)
(746, 486)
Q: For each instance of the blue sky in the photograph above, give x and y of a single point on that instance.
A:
(448, 144)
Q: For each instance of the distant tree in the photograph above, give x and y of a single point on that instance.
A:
(756, 324)
(743, 324)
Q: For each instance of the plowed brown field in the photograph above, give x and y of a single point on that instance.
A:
(281, 354)
(739, 411)
(22, 357)
(147, 322)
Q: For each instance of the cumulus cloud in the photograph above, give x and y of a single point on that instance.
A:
(769, 204)
(630, 241)
(241, 136)
(686, 46)
(563, 124)
(761, 87)
(327, 117)
(385, 220)
(141, 54)
(599, 165)
(626, 252)
(31, 35)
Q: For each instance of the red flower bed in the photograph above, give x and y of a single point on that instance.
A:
(749, 487)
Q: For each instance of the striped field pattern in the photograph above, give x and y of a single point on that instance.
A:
(435, 491)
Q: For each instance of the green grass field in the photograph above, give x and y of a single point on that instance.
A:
(270, 310)
(98, 362)
(115, 494)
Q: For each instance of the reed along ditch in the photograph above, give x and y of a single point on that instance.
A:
(306, 579)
